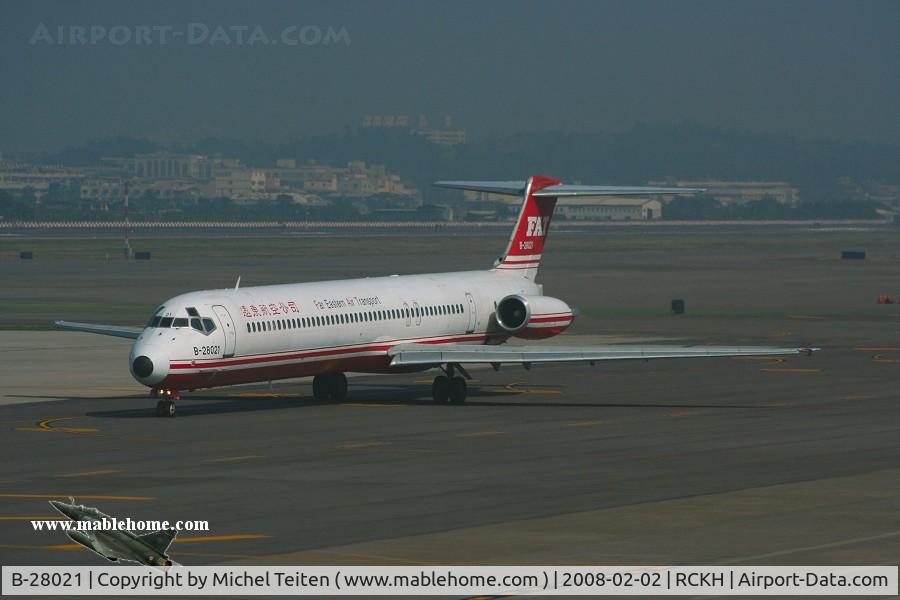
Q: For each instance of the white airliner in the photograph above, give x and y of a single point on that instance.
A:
(393, 324)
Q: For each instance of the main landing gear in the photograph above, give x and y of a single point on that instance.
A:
(165, 407)
(330, 387)
(449, 387)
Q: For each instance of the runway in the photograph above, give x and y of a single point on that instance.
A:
(682, 461)
(763, 461)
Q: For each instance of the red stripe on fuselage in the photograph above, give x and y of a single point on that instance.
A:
(318, 352)
(337, 358)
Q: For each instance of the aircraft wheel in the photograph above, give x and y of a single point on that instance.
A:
(458, 390)
(338, 387)
(321, 387)
(165, 408)
(440, 389)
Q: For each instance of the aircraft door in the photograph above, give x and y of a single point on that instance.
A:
(418, 313)
(407, 313)
(473, 313)
(228, 327)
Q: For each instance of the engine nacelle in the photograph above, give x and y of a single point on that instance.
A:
(533, 317)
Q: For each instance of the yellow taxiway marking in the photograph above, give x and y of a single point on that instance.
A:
(860, 397)
(358, 445)
(232, 458)
(216, 554)
(46, 425)
(880, 358)
(31, 518)
(482, 433)
(678, 414)
(586, 423)
(791, 370)
(522, 388)
(886, 349)
(765, 359)
(80, 496)
(90, 473)
(184, 540)
(782, 333)
(221, 538)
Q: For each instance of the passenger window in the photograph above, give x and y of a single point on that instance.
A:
(248, 327)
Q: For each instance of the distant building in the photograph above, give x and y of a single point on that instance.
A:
(385, 121)
(165, 165)
(605, 208)
(446, 135)
(17, 177)
(739, 192)
(240, 184)
(101, 189)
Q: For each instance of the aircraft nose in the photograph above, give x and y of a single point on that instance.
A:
(142, 366)
(149, 365)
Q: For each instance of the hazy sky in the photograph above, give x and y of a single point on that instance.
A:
(814, 69)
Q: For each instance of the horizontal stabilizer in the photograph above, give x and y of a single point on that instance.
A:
(511, 188)
(565, 191)
(428, 354)
(517, 188)
(131, 333)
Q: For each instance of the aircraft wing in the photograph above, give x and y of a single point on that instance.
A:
(114, 330)
(433, 354)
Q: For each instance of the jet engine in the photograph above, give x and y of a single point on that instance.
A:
(533, 317)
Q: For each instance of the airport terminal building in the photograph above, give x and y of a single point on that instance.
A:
(610, 209)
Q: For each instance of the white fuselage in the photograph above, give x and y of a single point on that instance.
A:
(295, 330)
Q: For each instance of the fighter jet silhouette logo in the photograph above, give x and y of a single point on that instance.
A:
(91, 528)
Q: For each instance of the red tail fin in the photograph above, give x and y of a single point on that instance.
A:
(523, 254)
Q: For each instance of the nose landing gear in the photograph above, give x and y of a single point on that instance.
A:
(165, 407)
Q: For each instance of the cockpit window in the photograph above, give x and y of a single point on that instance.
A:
(191, 311)
(196, 324)
(209, 324)
(165, 322)
(180, 322)
(154, 320)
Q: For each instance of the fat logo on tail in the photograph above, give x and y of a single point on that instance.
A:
(526, 245)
